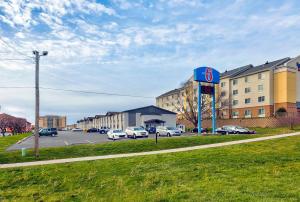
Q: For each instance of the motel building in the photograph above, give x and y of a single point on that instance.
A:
(145, 116)
(251, 91)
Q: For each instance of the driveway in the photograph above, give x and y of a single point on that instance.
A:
(66, 138)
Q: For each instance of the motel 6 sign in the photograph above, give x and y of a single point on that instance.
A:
(212, 76)
(207, 75)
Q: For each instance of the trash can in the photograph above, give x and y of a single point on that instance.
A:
(23, 151)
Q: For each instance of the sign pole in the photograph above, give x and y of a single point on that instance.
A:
(213, 111)
(199, 108)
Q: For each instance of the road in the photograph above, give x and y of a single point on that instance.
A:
(66, 138)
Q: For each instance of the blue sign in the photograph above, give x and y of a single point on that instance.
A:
(207, 74)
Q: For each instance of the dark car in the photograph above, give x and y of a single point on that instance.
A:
(48, 132)
(203, 130)
(92, 130)
(231, 129)
(103, 130)
(151, 130)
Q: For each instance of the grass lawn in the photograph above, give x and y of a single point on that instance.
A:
(130, 146)
(9, 140)
(261, 171)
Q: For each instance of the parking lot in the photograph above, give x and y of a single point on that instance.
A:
(67, 138)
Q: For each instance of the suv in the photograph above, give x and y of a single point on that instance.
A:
(167, 131)
(135, 132)
(103, 130)
(48, 132)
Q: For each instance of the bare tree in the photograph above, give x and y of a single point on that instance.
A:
(188, 108)
(5, 122)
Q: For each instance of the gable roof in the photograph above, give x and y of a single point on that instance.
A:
(171, 92)
(150, 110)
(234, 72)
(264, 67)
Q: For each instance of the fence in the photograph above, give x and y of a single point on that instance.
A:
(279, 120)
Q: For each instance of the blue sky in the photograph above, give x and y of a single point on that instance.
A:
(132, 47)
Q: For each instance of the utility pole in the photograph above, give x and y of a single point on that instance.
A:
(37, 101)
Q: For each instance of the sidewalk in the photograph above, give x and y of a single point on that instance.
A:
(113, 156)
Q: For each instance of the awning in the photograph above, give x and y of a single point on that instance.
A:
(154, 121)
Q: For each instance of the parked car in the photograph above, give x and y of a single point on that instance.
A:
(151, 130)
(116, 134)
(77, 130)
(92, 130)
(231, 129)
(48, 132)
(103, 130)
(203, 130)
(167, 131)
(135, 132)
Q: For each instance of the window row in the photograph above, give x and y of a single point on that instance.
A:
(260, 76)
(248, 113)
(248, 100)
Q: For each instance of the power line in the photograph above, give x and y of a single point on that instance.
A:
(10, 46)
(78, 91)
(14, 59)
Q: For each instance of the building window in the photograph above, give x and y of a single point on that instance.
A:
(223, 93)
(235, 114)
(261, 98)
(235, 102)
(246, 79)
(235, 92)
(261, 112)
(247, 90)
(247, 113)
(260, 88)
(223, 84)
(261, 76)
(234, 82)
(247, 100)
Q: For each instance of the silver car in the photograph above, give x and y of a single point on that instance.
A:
(167, 131)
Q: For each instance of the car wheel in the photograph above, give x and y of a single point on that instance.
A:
(227, 133)
(134, 136)
(53, 135)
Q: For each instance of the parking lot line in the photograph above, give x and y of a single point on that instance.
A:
(90, 141)
(66, 143)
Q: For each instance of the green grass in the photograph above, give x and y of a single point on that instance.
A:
(9, 140)
(131, 146)
(261, 171)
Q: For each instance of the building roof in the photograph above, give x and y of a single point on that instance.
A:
(263, 67)
(234, 72)
(150, 110)
(171, 92)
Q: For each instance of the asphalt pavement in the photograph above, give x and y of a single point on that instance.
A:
(67, 138)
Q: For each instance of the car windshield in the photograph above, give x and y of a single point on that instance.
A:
(137, 129)
(239, 127)
(171, 128)
(117, 131)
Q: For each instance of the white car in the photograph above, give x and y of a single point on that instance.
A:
(167, 131)
(116, 134)
(77, 130)
(135, 132)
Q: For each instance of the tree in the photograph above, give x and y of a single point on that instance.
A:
(188, 108)
(5, 122)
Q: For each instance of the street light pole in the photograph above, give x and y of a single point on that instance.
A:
(37, 101)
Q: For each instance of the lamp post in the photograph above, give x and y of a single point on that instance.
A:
(37, 100)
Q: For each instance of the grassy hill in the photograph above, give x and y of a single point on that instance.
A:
(262, 171)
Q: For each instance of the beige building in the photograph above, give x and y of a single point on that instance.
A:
(52, 121)
(252, 91)
(144, 116)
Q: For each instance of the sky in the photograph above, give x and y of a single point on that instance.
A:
(135, 47)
